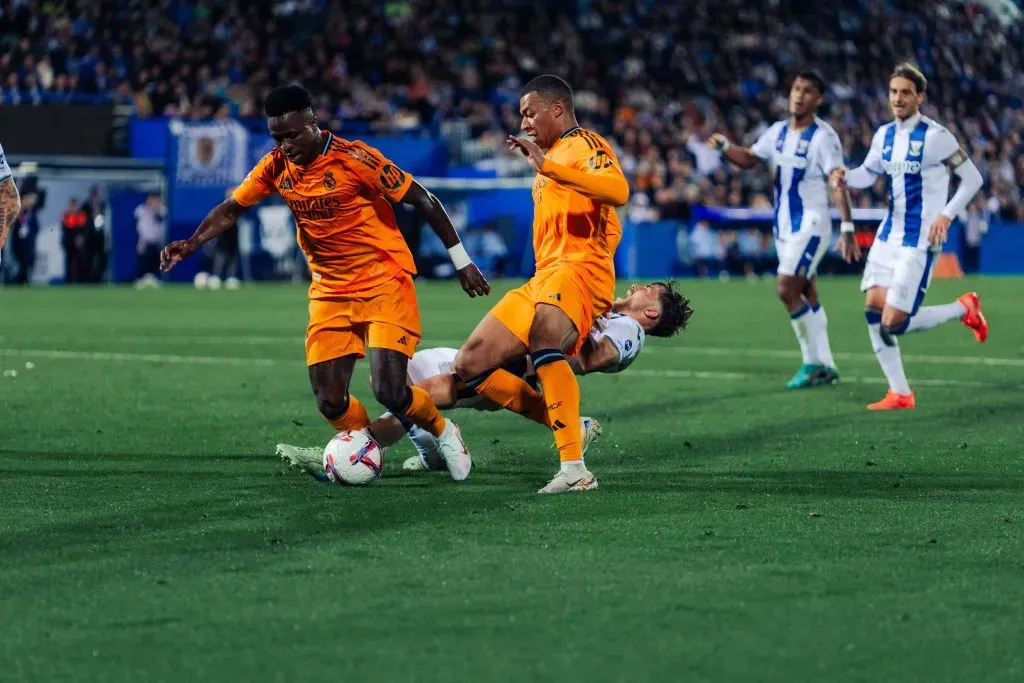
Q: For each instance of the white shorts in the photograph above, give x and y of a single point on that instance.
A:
(801, 253)
(433, 362)
(905, 272)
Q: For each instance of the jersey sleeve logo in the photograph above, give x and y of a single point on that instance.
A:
(600, 160)
(391, 177)
(363, 156)
(329, 180)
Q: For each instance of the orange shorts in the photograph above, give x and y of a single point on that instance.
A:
(385, 317)
(582, 297)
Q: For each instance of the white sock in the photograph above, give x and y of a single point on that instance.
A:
(574, 467)
(930, 316)
(819, 334)
(427, 446)
(801, 321)
(889, 359)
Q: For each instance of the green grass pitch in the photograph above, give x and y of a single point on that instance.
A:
(741, 532)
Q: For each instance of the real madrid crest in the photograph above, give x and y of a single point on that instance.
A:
(329, 180)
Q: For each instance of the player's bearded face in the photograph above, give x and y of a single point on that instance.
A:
(904, 100)
(297, 135)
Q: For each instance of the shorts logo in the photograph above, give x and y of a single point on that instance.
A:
(556, 296)
(287, 184)
(329, 180)
(556, 425)
(403, 341)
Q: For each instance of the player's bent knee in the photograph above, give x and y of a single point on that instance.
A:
(392, 395)
(332, 407)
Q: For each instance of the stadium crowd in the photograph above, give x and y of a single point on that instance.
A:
(659, 77)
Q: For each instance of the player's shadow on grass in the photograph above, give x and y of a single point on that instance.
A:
(927, 486)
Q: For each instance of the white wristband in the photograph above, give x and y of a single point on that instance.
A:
(725, 146)
(460, 259)
(846, 226)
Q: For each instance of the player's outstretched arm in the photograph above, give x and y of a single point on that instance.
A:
(220, 218)
(740, 156)
(426, 203)
(607, 186)
(10, 207)
(847, 244)
(594, 357)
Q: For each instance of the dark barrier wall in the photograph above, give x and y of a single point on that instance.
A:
(79, 129)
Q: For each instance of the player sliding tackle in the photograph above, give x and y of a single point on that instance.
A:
(917, 154)
(802, 150)
(611, 346)
(362, 293)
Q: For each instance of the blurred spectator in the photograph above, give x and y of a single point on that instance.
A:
(488, 250)
(23, 239)
(149, 224)
(74, 237)
(706, 250)
(975, 225)
(96, 235)
(656, 77)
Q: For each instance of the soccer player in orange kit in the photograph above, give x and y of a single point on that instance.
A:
(575, 233)
(362, 294)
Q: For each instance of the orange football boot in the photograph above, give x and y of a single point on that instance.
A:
(974, 318)
(894, 401)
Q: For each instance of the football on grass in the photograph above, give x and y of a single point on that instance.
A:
(352, 458)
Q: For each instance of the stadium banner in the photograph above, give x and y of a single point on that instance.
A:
(44, 129)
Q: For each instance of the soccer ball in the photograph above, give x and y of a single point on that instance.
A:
(352, 458)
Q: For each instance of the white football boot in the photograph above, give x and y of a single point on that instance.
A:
(454, 451)
(590, 432)
(577, 479)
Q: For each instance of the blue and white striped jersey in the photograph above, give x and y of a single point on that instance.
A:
(5, 170)
(625, 333)
(912, 153)
(801, 161)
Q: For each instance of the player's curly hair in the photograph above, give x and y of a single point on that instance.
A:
(551, 88)
(286, 99)
(675, 311)
(910, 72)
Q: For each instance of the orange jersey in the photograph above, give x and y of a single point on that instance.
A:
(345, 223)
(569, 227)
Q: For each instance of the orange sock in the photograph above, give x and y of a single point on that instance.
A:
(354, 419)
(562, 394)
(423, 412)
(513, 393)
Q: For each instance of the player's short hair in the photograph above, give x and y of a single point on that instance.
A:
(551, 88)
(911, 73)
(286, 99)
(675, 311)
(816, 79)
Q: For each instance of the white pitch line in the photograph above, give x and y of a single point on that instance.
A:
(250, 340)
(846, 379)
(266, 362)
(141, 357)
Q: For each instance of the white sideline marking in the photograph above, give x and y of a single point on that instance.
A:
(247, 340)
(141, 357)
(266, 362)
